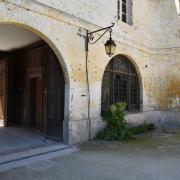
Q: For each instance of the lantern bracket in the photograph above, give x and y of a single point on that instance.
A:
(90, 35)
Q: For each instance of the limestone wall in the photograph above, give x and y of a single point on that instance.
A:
(152, 44)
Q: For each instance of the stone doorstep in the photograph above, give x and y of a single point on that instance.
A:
(24, 148)
(32, 153)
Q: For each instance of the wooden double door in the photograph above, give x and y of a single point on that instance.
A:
(33, 91)
(53, 95)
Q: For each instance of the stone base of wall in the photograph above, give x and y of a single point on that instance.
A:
(97, 125)
(79, 129)
(159, 118)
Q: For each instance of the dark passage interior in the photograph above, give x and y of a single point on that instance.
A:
(32, 90)
(35, 104)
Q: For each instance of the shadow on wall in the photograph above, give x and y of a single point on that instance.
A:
(2, 114)
(177, 3)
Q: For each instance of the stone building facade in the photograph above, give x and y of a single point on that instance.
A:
(149, 39)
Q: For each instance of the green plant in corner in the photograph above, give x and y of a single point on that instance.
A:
(117, 127)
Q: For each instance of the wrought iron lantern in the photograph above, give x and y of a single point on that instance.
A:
(110, 45)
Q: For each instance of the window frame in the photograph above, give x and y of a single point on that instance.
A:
(112, 74)
(128, 14)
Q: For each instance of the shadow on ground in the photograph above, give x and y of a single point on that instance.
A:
(151, 156)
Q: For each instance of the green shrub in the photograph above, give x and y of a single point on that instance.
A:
(117, 127)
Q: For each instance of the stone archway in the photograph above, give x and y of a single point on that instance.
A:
(56, 51)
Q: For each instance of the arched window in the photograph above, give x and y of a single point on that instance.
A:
(120, 84)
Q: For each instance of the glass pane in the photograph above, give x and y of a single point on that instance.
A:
(124, 9)
(134, 93)
(121, 65)
(120, 88)
(132, 69)
(124, 18)
(108, 67)
(106, 91)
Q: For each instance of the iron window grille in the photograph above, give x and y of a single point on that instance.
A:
(120, 84)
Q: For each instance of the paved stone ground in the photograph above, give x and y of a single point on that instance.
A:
(1, 123)
(153, 156)
(14, 138)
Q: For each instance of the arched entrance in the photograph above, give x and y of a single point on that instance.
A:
(120, 84)
(32, 84)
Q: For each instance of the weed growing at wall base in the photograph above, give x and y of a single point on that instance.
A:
(117, 127)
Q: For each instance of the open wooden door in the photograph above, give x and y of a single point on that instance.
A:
(3, 90)
(53, 97)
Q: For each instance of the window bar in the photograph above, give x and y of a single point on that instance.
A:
(119, 11)
(112, 81)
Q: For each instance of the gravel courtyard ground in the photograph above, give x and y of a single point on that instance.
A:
(152, 156)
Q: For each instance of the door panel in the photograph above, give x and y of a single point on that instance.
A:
(54, 97)
(38, 104)
(12, 94)
(32, 102)
(35, 106)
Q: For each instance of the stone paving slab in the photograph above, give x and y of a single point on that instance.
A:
(32, 152)
(151, 156)
(13, 139)
(1, 123)
(36, 160)
(19, 146)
